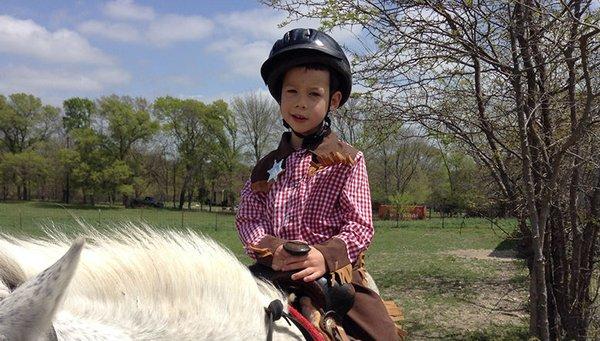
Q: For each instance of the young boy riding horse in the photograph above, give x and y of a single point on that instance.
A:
(314, 187)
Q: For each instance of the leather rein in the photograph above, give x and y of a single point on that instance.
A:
(275, 311)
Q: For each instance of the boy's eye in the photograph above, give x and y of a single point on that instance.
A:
(291, 91)
(316, 94)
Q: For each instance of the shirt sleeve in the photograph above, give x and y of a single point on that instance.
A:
(252, 224)
(355, 205)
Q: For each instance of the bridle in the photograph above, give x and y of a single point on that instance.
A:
(275, 311)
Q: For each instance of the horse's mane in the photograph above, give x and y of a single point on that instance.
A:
(154, 284)
(11, 275)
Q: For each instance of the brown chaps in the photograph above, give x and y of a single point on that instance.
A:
(368, 319)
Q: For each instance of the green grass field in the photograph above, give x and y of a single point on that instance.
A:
(441, 277)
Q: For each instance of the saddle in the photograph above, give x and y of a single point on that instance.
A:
(330, 299)
(324, 293)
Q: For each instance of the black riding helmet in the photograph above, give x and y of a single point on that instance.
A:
(302, 46)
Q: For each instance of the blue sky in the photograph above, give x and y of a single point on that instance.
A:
(189, 49)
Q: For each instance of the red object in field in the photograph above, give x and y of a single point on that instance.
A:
(405, 212)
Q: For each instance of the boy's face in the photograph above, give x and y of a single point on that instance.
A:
(304, 97)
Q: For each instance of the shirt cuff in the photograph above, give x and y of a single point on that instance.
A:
(265, 249)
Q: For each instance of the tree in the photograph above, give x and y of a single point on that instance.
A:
(27, 169)
(78, 114)
(127, 121)
(228, 156)
(256, 116)
(88, 162)
(360, 123)
(198, 132)
(24, 122)
(516, 84)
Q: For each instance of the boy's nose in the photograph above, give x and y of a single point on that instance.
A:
(301, 102)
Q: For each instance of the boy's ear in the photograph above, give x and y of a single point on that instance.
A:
(336, 98)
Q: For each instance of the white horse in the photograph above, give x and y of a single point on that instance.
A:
(136, 284)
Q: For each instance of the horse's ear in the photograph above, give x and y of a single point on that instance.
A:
(26, 314)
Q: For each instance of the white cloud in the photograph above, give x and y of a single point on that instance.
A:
(162, 31)
(249, 36)
(173, 28)
(243, 58)
(128, 10)
(257, 24)
(264, 23)
(114, 31)
(25, 37)
(42, 80)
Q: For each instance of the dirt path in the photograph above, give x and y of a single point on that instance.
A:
(496, 306)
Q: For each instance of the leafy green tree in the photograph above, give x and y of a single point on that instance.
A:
(89, 162)
(27, 168)
(114, 179)
(24, 121)
(78, 115)
(198, 132)
(128, 122)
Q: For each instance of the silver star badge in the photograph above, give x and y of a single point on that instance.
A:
(275, 170)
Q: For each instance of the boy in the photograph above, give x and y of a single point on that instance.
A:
(313, 187)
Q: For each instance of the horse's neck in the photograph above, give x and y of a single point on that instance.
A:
(180, 287)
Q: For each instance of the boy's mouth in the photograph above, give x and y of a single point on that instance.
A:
(298, 117)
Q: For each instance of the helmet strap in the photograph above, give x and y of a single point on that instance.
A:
(312, 140)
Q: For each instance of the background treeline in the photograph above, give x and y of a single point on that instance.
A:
(182, 151)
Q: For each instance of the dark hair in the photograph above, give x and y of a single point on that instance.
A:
(334, 79)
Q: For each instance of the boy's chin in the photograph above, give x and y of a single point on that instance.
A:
(309, 131)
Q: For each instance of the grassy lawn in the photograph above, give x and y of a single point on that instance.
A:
(445, 296)
(436, 274)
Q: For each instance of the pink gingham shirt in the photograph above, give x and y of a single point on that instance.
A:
(334, 202)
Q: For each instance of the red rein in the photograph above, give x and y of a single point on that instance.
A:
(314, 332)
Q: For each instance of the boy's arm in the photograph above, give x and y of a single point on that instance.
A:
(252, 224)
(357, 231)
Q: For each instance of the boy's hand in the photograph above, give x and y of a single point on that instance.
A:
(312, 265)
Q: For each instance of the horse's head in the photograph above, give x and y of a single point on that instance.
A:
(27, 307)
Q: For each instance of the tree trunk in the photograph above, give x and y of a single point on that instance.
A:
(126, 200)
(190, 196)
(174, 197)
(184, 187)
(538, 324)
(67, 190)
(182, 196)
